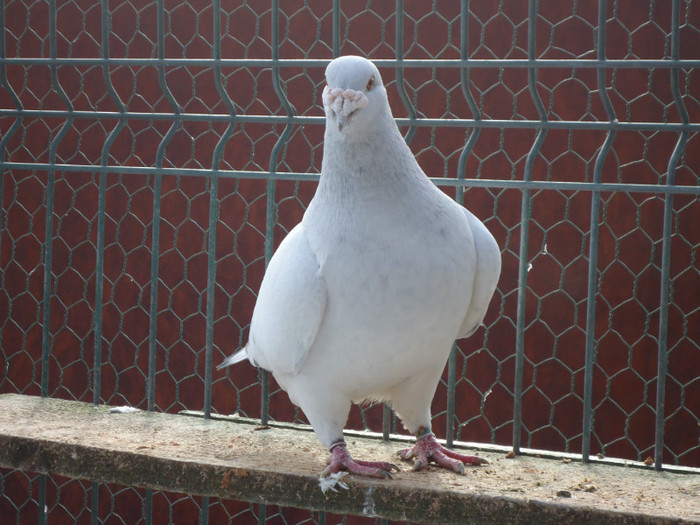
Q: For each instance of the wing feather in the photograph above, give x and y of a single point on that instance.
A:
(290, 307)
(486, 275)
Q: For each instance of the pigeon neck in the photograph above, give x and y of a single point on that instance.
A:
(374, 157)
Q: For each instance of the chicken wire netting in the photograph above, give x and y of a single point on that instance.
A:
(155, 154)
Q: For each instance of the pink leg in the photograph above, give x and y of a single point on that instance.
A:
(340, 459)
(427, 448)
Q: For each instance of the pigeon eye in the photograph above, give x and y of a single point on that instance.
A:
(370, 83)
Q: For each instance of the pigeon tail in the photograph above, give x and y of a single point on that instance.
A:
(236, 357)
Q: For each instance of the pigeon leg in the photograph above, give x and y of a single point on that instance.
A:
(340, 459)
(428, 449)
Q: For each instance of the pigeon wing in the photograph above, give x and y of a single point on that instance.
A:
(486, 274)
(289, 309)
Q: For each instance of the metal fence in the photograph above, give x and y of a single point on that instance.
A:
(155, 153)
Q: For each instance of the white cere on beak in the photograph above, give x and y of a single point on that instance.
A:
(343, 102)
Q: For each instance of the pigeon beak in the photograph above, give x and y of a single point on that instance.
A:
(342, 120)
(342, 103)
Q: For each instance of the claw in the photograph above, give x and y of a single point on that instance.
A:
(406, 453)
(340, 459)
(427, 449)
(420, 464)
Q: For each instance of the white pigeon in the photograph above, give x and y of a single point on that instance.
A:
(364, 298)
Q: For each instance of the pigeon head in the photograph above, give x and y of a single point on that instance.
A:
(353, 92)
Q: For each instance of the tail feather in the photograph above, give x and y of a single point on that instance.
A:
(236, 357)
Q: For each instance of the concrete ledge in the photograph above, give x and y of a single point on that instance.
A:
(280, 466)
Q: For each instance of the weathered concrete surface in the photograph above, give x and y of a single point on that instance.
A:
(280, 466)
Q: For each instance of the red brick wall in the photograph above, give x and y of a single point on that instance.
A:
(630, 234)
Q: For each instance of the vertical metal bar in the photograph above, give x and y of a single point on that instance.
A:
(148, 506)
(593, 240)
(451, 387)
(104, 161)
(41, 518)
(459, 197)
(15, 125)
(271, 214)
(665, 293)
(46, 300)
(48, 236)
(399, 71)
(336, 28)
(473, 107)
(387, 413)
(55, 86)
(213, 220)
(155, 231)
(204, 511)
(99, 280)
(525, 229)
(100, 242)
(3, 139)
(94, 503)
(387, 419)
(214, 208)
(264, 375)
(46, 318)
(271, 209)
(155, 234)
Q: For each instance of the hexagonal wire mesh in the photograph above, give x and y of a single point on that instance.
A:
(154, 156)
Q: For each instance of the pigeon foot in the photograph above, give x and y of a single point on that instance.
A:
(428, 449)
(340, 459)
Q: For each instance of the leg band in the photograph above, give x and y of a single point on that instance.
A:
(337, 443)
(423, 432)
